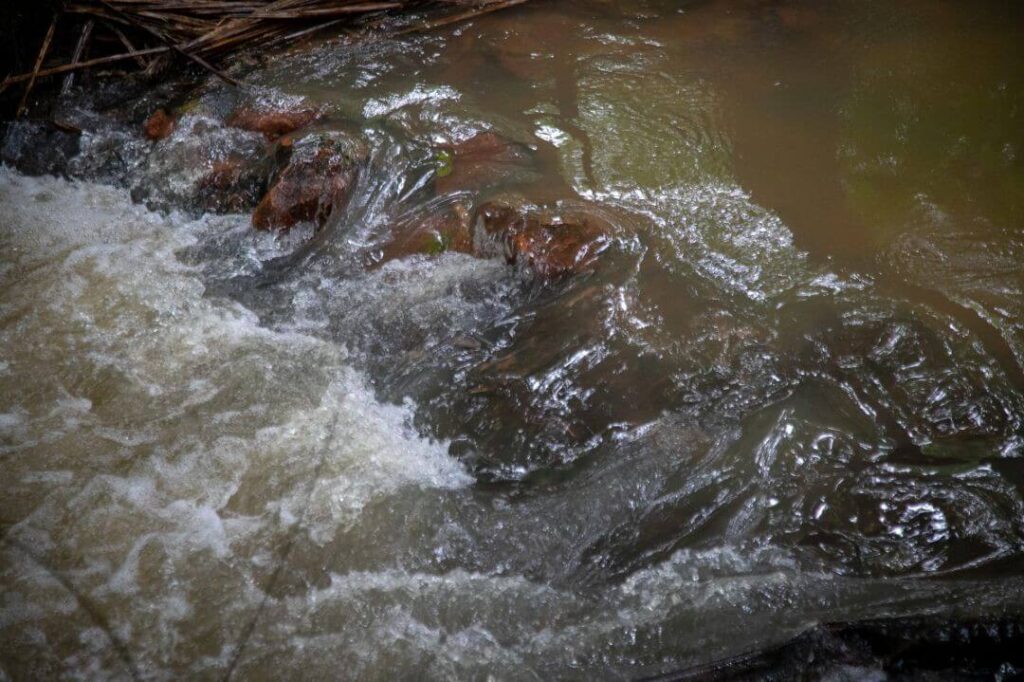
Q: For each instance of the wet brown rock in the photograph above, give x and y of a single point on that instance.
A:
(483, 160)
(551, 244)
(233, 184)
(446, 230)
(316, 181)
(558, 249)
(273, 123)
(159, 125)
(224, 174)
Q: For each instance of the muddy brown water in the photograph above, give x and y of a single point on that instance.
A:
(791, 393)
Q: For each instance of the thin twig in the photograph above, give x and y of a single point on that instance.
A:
(77, 56)
(332, 11)
(23, 104)
(456, 18)
(127, 43)
(20, 78)
(305, 32)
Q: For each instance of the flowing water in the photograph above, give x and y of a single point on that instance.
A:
(792, 392)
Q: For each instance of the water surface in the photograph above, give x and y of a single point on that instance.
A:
(791, 393)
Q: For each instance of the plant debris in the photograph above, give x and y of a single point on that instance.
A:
(209, 32)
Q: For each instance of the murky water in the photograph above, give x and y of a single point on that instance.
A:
(791, 392)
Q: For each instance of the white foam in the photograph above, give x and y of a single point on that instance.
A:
(167, 442)
(419, 94)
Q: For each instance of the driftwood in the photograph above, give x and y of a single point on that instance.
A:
(208, 32)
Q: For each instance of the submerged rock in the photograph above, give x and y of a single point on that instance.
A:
(273, 123)
(449, 229)
(159, 125)
(235, 183)
(203, 166)
(523, 46)
(316, 181)
(38, 147)
(107, 155)
(484, 160)
(548, 243)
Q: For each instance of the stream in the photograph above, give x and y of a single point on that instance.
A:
(790, 392)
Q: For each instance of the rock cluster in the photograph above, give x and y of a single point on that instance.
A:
(273, 159)
(259, 157)
(546, 243)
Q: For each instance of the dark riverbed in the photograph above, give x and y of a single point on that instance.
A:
(790, 392)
